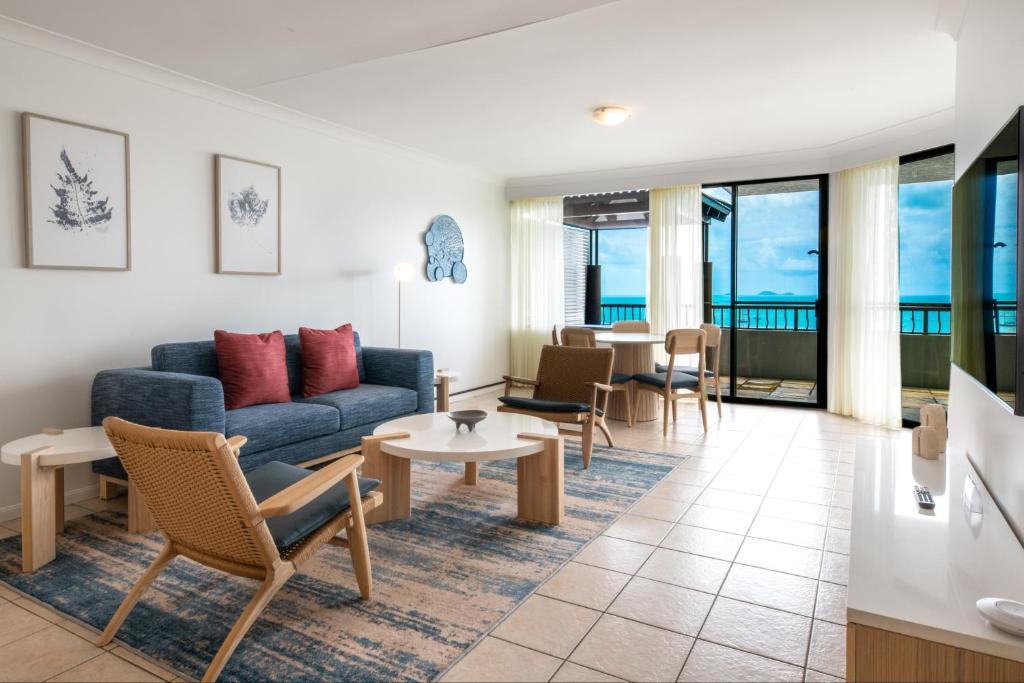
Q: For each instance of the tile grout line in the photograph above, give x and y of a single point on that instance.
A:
(732, 563)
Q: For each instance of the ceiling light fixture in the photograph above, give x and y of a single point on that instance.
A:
(611, 115)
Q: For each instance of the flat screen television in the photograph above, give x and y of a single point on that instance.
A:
(987, 286)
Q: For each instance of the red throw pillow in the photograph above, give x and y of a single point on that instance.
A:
(252, 368)
(328, 360)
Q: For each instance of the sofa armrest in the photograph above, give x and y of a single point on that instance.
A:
(402, 368)
(170, 400)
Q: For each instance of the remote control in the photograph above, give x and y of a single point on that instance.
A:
(924, 498)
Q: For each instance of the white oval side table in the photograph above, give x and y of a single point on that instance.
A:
(42, 458)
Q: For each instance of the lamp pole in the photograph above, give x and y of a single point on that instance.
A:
(402, 273)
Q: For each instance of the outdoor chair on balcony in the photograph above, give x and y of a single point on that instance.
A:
(262, 524)
(571, 388)
(585, 337)
(672, 385)
(713, 344)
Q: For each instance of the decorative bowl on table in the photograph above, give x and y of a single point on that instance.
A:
(467, 417)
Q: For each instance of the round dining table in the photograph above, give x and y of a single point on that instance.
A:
(634, 353)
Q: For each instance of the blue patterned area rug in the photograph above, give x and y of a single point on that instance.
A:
(442, 578)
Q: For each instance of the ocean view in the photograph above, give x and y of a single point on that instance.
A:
(796, 312)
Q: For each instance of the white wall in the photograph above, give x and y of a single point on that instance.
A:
(989, 87)
(353, 207)
(989, 74)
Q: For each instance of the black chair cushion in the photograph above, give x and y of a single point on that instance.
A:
(275, 476)
(688, 369)
(540, 406)
(620, 378)
(680, 380)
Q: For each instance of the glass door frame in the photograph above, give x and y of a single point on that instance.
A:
(821, 309)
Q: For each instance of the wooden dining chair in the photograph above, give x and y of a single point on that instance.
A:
(262, 524)
(620, 382)
(571, 388)
(672, 385)
(712, 375)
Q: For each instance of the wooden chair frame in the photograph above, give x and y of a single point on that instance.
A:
(681, 342)
(586, 337)
(588, 420)
(713, 341)
(254, 555)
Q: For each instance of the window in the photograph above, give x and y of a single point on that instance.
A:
(610, 229)
(925, 218)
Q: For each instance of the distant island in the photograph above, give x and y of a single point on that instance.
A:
(769, 292)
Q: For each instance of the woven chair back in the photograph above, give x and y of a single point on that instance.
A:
(195, 491)
(579, 337)
(641, 326)
(564, 372)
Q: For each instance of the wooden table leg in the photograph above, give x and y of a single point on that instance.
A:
(58, 500)
(394, 476)
(631, 359)
(38, 519)
(472, 470)
(541, 481)
(443, 389)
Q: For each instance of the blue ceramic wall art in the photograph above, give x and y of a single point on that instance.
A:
(445, 250)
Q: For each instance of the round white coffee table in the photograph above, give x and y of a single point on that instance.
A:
(42, 458)
(534, 443)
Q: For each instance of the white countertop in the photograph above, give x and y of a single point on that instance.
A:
(433, 437)
(920, 573)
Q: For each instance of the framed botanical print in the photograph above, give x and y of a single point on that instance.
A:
(248, 200)
(77, 196)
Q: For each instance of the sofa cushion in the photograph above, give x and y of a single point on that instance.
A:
(367, 403)
(251, 368)
(200, 358)
(273, 477)
(277, 424)
(328, 360)
(542, 406)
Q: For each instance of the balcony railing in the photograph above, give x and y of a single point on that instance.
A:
(611, 313)
(924, 319)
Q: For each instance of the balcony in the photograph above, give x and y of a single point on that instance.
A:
(777, 354)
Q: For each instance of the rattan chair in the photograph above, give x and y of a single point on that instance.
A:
(571, 383)
(713, 344)
(670, 384)
(620, 382)
(262, 524)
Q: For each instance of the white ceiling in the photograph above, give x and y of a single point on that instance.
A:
(508, 86)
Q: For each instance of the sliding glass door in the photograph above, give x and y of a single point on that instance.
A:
(768, 283)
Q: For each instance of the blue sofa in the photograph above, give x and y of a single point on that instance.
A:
(181, 391)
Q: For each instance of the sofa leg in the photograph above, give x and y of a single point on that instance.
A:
(109, 488)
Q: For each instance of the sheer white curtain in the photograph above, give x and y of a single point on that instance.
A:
(675, 259)
(864, 338)
(536, 279)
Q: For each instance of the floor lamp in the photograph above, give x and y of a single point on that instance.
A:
(403, 273)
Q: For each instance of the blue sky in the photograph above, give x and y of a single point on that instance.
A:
(777, 230)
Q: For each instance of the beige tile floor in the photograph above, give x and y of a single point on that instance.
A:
(734, 568)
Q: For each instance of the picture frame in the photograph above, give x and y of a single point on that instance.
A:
(247, 209)
(77, 193)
